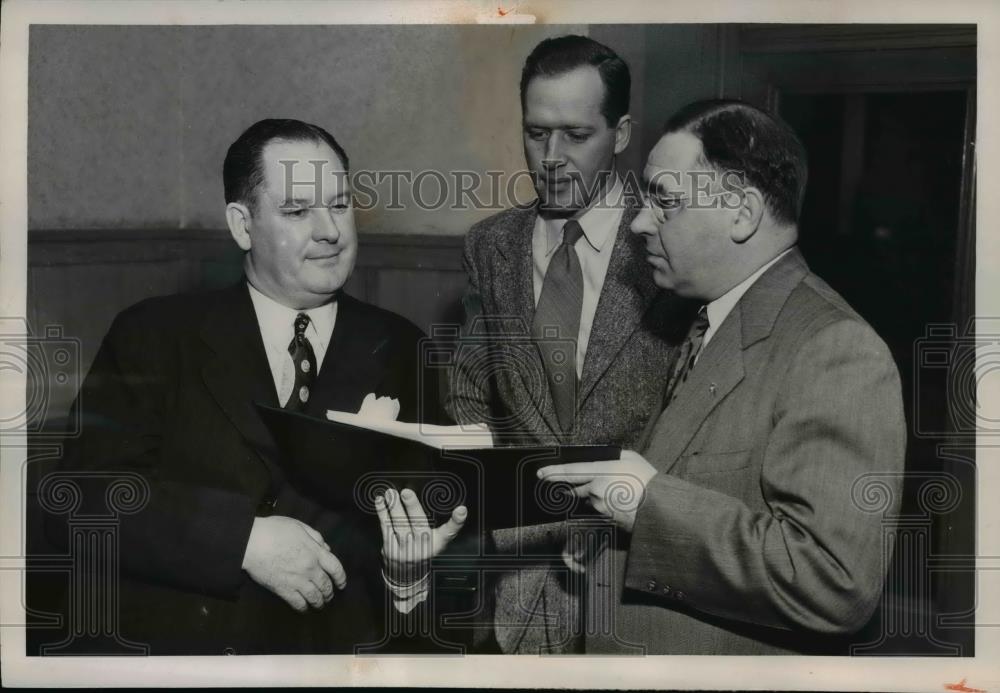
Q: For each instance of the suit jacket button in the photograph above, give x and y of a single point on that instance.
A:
(229, 650)
(679, 596)
(651, 585)
(266, 507)
(203, 610)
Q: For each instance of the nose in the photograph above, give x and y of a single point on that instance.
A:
(554, 155)
(643, 223)
(327, 227)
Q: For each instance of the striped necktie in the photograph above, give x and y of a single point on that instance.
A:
(688, 355)
(556, 325)
(304, 362)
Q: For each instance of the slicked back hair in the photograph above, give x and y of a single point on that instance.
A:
(243, 169)
(556, 56)
(758, 146)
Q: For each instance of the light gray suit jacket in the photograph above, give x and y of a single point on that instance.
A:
(780, 468)
(620, 389)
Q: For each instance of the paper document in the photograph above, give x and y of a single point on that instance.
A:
(475, 436)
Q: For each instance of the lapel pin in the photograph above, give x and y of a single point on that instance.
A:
(711, 388)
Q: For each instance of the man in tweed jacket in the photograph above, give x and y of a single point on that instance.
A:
(575, 95)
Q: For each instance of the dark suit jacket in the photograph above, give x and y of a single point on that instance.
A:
(780, 469)
(171, 396)
(623, 378)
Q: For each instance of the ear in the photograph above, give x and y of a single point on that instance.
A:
(623, 133)
(749, 209)
(238, 218)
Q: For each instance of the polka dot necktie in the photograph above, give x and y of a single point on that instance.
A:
(688, 355)
(304, 362)
(556, 325)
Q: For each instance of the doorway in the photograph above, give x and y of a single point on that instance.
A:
(887, 116)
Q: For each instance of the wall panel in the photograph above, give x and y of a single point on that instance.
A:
(78, 281)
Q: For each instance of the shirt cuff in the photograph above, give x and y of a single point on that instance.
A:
(406, 597)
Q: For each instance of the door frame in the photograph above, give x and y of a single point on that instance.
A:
(762, 61)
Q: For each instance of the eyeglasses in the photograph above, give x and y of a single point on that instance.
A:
(661, 203)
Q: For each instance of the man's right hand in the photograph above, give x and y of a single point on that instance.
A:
(291, 559)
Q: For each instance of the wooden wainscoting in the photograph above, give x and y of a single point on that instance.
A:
(78, 280)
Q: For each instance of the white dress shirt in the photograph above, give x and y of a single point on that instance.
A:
(718, 309)
(277, 328)
(600, 227)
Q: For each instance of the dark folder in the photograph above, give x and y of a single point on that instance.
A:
(346, 467)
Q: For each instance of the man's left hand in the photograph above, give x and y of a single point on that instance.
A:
(615, 488)
(408, 540)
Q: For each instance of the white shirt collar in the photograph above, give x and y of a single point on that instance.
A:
(718, 309)
(277, 322)
(599, 223)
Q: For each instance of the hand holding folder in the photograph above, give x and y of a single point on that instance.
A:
(349, 460)
(613, 488)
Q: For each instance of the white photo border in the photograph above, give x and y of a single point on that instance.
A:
(675, 672)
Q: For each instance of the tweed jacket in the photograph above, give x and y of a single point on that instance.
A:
(623, 377)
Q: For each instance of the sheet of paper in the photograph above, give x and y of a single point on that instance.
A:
(472, 436)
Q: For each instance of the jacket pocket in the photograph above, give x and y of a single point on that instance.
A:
(700, 463)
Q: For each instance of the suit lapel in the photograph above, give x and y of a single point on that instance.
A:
(353, 363)
(720, 368)
(513, 286)
(515, 298)
(627, 292)
(767, 296)
(718, 371)
(236, 371)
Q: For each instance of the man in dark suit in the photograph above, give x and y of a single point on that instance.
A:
(747, 526)
(559, 342)
(225, 556)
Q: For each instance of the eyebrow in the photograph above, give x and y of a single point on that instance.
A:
(560, 126)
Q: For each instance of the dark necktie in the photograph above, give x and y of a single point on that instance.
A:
(688, 355)
(304, 362)
(557, 324)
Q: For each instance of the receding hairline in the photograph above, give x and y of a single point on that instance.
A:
(285, 139)
(700, 160)
(552, 74)
(261, 168)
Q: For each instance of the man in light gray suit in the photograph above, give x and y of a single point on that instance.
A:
(749, 528)
(563, 271)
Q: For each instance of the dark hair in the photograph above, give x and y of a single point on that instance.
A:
(762, 148)
(242, 170)
(555, 56)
